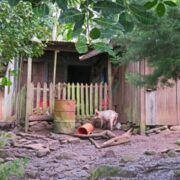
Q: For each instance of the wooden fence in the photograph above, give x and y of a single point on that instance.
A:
(87, 97)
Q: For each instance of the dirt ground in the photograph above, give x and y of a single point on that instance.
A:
(156, 156)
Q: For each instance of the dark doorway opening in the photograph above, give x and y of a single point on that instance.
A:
(79, 74)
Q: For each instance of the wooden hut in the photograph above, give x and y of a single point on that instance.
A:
(93, 82)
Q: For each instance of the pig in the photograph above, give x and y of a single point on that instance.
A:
(107, 118)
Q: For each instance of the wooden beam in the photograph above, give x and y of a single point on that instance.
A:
(54, 76)
(89, 55)
(110, 83)
(28, 99)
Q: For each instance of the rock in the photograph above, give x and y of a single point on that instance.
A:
(66, 155)
(42, 152)
(64, 141)
(126, 159)
(53, 145)
(171, 153)
(125, 127)
(178, 142)
(109, 154)
(86, 167)
(74, 140)
(10, 159)
(177, 173)
(32, 174)
(175, 128)
(1, 160)
(150, 153)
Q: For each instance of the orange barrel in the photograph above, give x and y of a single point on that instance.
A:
(64, 116)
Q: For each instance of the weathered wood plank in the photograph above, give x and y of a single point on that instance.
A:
(78, 100)
(91, 99)
(73, 91)
(100, 96)
(51, 97)
(38, 94)
(44, 97)
(96, 96)
(68, 91)
(28, 100)
(105, 96)
(59, 91)
(87, 100)
(64, 91)
(82, 101)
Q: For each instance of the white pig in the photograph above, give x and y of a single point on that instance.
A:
(107, 118)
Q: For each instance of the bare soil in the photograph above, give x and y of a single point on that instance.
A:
(156, 156)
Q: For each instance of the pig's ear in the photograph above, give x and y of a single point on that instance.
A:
(96, 112)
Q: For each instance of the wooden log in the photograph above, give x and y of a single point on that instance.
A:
(105, 134)
(28, 99)
(89, 55)
(114, 141)
(154, 130)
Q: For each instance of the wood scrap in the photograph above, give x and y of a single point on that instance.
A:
(105, 134)
(156, 130)
(32, 135)
(42, 117)
(114, 141)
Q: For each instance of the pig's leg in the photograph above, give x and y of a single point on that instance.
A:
(101, 120)
(111, 124)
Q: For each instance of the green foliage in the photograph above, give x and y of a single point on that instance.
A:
(5, 137)
(13, 168)
(159, 44)
(18, 25)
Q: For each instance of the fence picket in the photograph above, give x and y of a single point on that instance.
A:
(100, 96)
(105, 104)
(73, 91)
(96, 96)
(64, 91)
(51, 98)
(68, 91)
(38, 97)
(82, 100)
(91, 99)
(44, 101)
(87, 100)
(88, 97)
(78, 100)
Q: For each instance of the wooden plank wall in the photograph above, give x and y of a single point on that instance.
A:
(1, 104)
(136, 105)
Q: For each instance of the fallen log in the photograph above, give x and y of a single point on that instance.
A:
(158, 129)
(105, 134)
(32, 135)
(114, 141)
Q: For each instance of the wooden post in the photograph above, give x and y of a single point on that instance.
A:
(28, 99)
(110, 83)
(54, 76)
(142, 102)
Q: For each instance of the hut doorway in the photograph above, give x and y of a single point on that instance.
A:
(79, 74)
